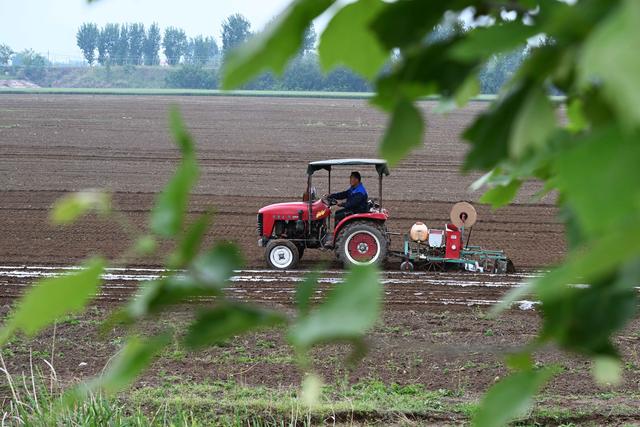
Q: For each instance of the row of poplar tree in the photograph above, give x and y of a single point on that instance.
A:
(133, 44)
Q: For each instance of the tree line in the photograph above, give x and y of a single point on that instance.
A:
(25, 64)
(195, 61)
(132, 44)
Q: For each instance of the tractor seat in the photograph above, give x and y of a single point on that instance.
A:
(373, 205)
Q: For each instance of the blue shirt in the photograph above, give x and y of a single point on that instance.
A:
(357, 198)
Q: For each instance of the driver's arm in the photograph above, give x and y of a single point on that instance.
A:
(339, 196)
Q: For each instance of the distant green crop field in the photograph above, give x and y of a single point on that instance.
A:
(202, 92)
(215, 92)
(186, 92)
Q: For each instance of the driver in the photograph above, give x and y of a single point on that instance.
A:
(356, 198)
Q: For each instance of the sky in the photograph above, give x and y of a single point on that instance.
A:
(49, 26)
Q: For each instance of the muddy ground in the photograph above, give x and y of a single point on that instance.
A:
(252, 152)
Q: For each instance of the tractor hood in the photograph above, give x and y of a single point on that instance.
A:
(289, 211)
(289, 208)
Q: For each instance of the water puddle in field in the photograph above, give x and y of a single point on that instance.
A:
(272, 285)
(262, 276)
(522, 305)
(527, 305)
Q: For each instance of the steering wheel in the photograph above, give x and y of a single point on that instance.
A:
(329, 201)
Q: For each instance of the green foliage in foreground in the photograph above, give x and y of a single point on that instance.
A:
(590, 162)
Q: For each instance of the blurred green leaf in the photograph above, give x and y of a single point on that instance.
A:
(542, 63)
(567, 24)
(207, 276)
(405, 132)
(606, 58)
(134, 358)
(573, 232)
(482, 42)
(607, 370)
(350, 309)
(158, 294)
(391, 91)
(221, 323)
(596, 264)
(577, 121)
(602, 310)
(469, 89)
(501, 195)
(522, 361)
(311, 390)
(51, 298)
(420, 73)
(534, 124)
(191, 242)
(597, 111)
(180, 134)
(167, 215)
(512, 296)
(599, 178)
(510, 398)
(348, 39)
(275, 46)
(490, 133)
(407, 22)
(488, 178)
(217, 265)
(603, 307)
(72, 206)
(145, 245)
(304, 292)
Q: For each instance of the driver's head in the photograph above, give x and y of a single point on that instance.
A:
(355, 178)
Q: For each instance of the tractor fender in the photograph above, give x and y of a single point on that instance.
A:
(375, 216)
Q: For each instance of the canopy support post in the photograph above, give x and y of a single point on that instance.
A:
(309, 203)
(380, 190)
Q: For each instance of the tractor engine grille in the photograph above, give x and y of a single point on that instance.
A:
(260, 225)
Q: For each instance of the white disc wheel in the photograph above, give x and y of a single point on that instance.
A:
(281, 254)
(362, 243)
(281, 257)
(363, 248)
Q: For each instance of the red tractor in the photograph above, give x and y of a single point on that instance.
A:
(286, 230)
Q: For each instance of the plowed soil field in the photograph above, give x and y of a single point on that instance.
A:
(253, 152)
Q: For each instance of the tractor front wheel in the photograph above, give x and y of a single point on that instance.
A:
(281, 254)
(361, 243)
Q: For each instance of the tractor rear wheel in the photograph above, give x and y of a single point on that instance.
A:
(361, 243)
(281, 254)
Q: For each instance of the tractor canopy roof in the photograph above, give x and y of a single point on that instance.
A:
(381, 165)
